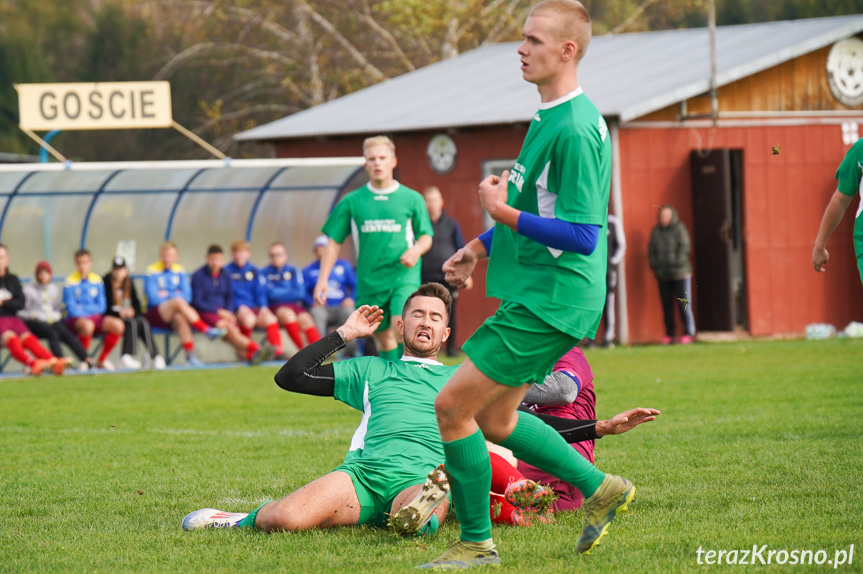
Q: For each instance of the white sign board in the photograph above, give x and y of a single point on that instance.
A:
(99, 106)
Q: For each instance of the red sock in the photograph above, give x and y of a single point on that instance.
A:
(312, 334)
(502, 473)
(110, 342)
(189, 347)
(16, 349)
(274, 338)
(251, 350)
(200, 326)
(293, 330)
(85, 341)
(246, 331)
(31, 343)
(501, 510)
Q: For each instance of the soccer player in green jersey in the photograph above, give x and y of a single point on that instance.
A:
(391, 230)
(850, 176)
(548, 268)
(396, 447)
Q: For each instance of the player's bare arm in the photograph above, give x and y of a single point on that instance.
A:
(625, 421)
(460, 266)
(832, 216)
(493, 195)
(328, 261)
(412, 255)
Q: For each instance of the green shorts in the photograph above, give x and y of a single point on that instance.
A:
(392, 302)
(860, 266)
(514, 346)
(376, 489)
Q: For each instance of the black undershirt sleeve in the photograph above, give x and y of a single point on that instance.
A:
(570, 429)
(304, 373)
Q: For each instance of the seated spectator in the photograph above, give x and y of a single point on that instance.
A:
(286, 293)
(42, 315)
(341, 285)
(169, 296)
(122, 301)
(13, 333)
(84, 297)
(213, 298)
(250, 298)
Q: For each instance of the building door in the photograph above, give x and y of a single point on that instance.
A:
(717, 194)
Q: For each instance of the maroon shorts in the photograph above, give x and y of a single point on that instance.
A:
(155, 319)
(97, 321)
(13, 324)
(292, 306)
(210, 318)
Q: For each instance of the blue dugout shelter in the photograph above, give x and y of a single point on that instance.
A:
(47, 211)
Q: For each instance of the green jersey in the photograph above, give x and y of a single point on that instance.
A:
(563, 171)
(398, 432)
(384, 223)
(850, 176)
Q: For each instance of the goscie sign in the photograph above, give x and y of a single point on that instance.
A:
(100, 106)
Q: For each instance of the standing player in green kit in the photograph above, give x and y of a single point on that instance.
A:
(547, 266)
(391, 230)
(850, 177)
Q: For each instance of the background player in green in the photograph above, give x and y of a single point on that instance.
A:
(850, 176)
(396, 446)
(391, 230)
(547, 267)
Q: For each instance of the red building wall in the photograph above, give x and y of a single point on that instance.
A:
(784, 197)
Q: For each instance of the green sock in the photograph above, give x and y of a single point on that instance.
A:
(468, 467)
(249, 521)
(391, 355)
(430, 527)
(554, 456)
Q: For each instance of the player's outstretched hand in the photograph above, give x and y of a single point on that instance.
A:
(459, 267)
(820, 257)
(362, 322)
(625, 421)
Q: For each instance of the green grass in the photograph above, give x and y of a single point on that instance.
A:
(758, 443)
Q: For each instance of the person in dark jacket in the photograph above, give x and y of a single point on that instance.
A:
(669, 251)
(213, 299)
(448, 239)
(122, 301)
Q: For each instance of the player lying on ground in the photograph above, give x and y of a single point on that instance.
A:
(397, 443)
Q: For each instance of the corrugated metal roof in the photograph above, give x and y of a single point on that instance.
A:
(627, 75)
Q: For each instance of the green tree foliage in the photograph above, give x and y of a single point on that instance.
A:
(234, 64)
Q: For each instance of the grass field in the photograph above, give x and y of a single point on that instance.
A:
(759, 443)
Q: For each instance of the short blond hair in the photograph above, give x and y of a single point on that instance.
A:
(571, 22)
(168, 245)
(240, 245)
(379, 140)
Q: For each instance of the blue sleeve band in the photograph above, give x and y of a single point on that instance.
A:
(579, 238)
(486, 237)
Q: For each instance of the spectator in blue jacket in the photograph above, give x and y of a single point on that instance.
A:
(286, 294)
(169, 295)
(84, 297)
(341, 285)
(250, 297)
(213, 299)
